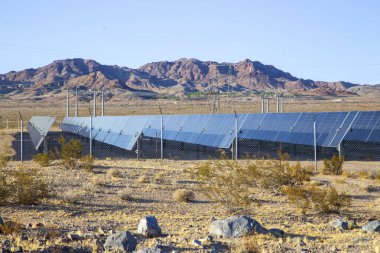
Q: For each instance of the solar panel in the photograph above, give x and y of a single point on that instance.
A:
(218, 130)
(38, 128)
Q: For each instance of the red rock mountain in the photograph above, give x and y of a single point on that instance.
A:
(177, 78)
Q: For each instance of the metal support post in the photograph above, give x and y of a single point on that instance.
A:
(315, 146)
(90, 134)
(102, 101)
(162, 137)
(76, 102)
(267, 105)
(262, 105)
(277, 104)
(236, 137)
(282, 104)
(138, 148)
(21, 140)
(68, 103)
(94, 103)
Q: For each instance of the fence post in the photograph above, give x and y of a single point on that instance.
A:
(162, 137)
(315, 146)
(90, 134)
(236, 137)
(103, 101)
(76, 102)
(68, 103)
(94, 103)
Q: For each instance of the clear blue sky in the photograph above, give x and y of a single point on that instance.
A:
(325, 40)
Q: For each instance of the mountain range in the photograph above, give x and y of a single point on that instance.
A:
(171, 78)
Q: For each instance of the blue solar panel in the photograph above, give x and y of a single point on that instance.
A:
(38, 128)
(218, 130)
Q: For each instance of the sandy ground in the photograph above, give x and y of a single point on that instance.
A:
(100, 210)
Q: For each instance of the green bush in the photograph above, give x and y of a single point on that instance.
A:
(87, 163)
(325, 200)
(42, 159)
(232, 184)
(28, 186)
(71, 151)
(333, 166)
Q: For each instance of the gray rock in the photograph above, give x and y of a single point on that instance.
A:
(121, 241)
(236, 226)
(340, 224)
(157, 249)
(148, 226)
(276, 232)
(373, 226)
(197, 243)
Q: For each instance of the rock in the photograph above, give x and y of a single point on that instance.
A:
(121, 241)
(373, 226)
(209, 238)
(157, 249)
(236, 226)
(276, 232)
(148, 226)
(1, 221)
(74, 237)
(197, 243)
(340, 224)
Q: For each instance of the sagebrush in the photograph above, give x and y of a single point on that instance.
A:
(333, 166)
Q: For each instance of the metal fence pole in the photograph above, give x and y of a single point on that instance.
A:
(267, 105)
(90, 135)
(282, 104)
(262, 105)
(102, 101)
(21, 141)
(94, 103)
(277, 104)
(315, 146)
(236, 136)
(68, 103)
(76, 102)
(162, 137)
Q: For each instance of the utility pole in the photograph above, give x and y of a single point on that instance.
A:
(21, 138)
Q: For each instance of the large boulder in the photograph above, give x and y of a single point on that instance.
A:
(121, 241)
(148, 226)
(236, 226)
(373, 226)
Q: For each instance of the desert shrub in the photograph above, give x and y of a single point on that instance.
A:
(11, 228)
(143, 179)
(321, 199)
(42, 159)
(182, 195)
(159, 177)
(333, 166)
(87, 163)
(71, 151)
(5, 189)
(72, 196)
(114, 172)
(231, 183)
(98, 181)
(4, 159)
(246, 245)
(126, 194)
(28, 186)
(223, 183)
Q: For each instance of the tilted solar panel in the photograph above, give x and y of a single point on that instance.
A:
(38, 128)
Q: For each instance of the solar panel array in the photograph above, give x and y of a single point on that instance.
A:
(218, 130)
(38, 128)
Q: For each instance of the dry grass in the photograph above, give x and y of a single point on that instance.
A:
(114, 173)
(182, 195)
(104, 207)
